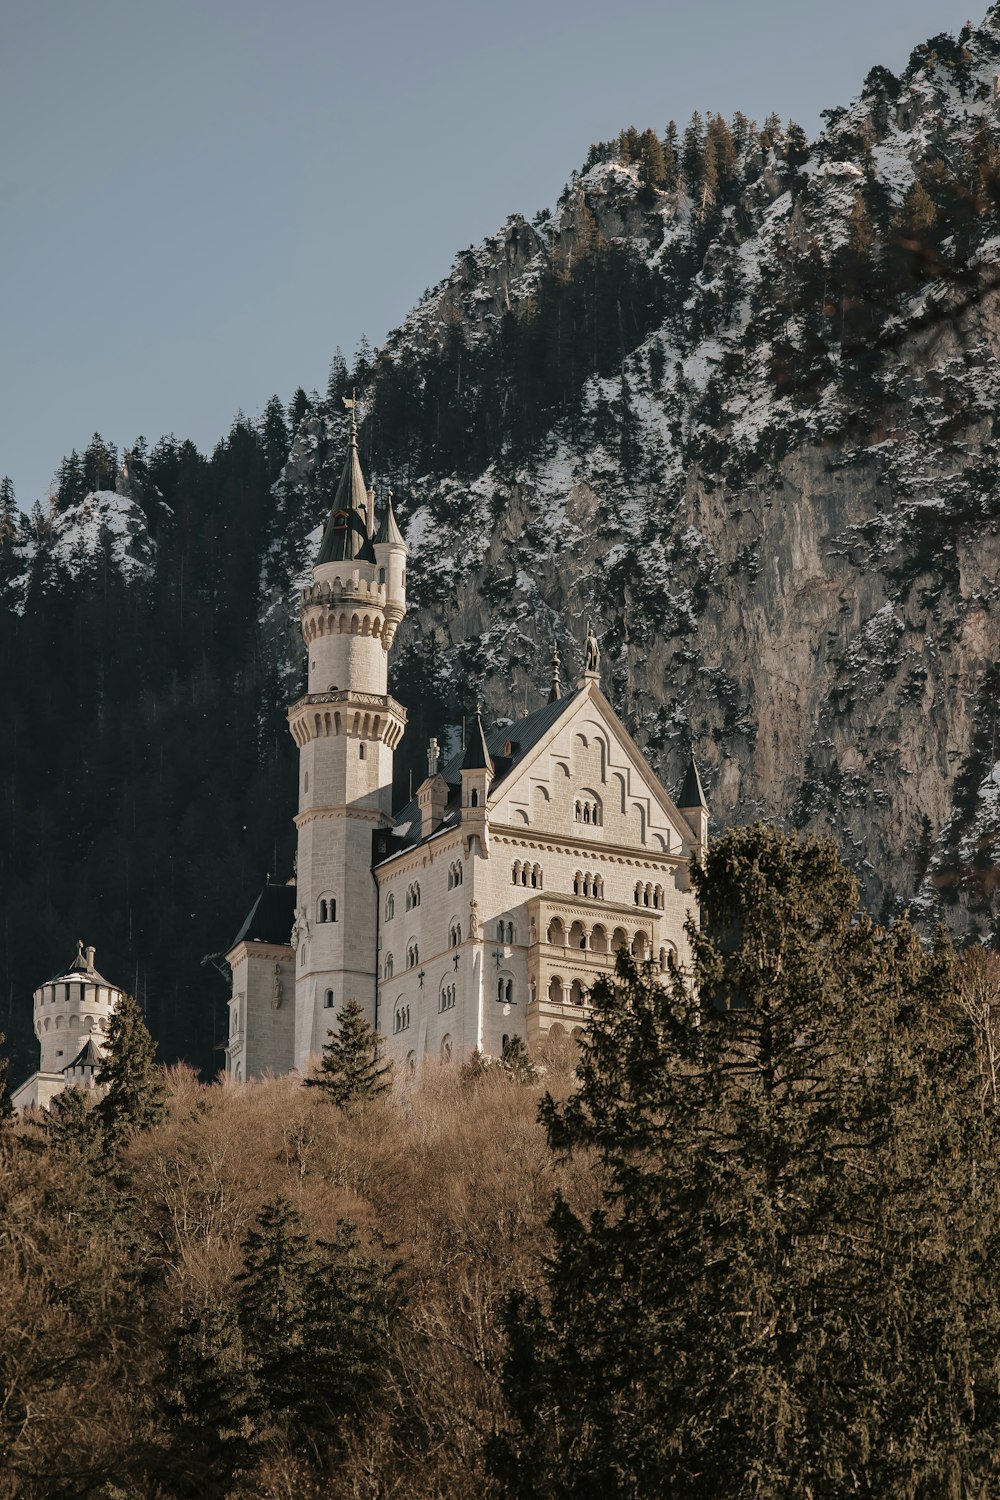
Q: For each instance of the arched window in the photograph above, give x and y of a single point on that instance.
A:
(474, 799)
(412, 896)
(381, 575)
(235, 1026)
(326, 910)
(510, 932)
(446, 998)
(388, 966)
(400, 1017)
(457, 867)
(505, 989)
(305, 782)
(390, 907)
(361, 750)
(412, 956)
(455, 934)
(577, 883)
(587, 809)
(515, 873)
(328, 1000)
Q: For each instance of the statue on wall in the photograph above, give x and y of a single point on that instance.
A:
(591, 651)
(300, 931)
(276, 994)
(474, 919)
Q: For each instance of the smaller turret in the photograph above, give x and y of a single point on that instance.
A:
(391, 552)
(692, 804)
(477, 778)
(72, 1012)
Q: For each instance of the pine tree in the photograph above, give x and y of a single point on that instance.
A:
(274, 438)
(73, 1125)
(351, 1069)
(205, 1406)
(297, 408)
(516, 1062)
(338, 383)
(314, 1320)
(787, 1279)
(134, 1100)
(693, 156)
(9, 514)
(670, 157)
(6, 1108)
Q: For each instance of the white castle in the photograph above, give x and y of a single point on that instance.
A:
(490, 904)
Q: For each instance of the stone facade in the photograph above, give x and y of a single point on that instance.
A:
(487, 907)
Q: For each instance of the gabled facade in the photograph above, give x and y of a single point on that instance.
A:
(489, 905)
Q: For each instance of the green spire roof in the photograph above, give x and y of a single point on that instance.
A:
(388, 531)
(346, 536)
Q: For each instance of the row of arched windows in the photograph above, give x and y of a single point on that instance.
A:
(525, 874)
(505, 932)
(505, 990)
(588, 885)
(326, 909)
(587, 810)
(454, 874)
(648, 895)
(400, 1018)
(454, 934)
(446, 999)
(412, 896)
(412, 955)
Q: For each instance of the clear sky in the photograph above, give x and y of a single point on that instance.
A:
(200, 199)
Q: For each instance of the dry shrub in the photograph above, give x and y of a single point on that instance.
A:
(450, 1179)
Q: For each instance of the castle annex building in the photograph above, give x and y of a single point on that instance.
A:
(487, 906)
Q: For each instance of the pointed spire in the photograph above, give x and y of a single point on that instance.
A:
(388, 531)
(692, 793)
(555, 691)
(477, 757)
(346, 536)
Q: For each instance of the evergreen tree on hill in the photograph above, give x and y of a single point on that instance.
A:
(786, 1289)
(131, 1075)
(6, 1108)
(204, 1405)
(351, 1069)
(314, 1320)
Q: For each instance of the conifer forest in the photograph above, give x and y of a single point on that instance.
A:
(734, 396)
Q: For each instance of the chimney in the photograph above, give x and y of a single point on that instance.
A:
(90, 959)
(371, 512)
(432, 799)
(433, 757)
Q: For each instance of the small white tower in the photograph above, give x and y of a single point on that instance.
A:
(347, 728)
(71, 1017)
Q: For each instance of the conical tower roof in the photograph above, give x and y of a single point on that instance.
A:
(692, 793)
(388, 531)
(346, 536)
(477, 757)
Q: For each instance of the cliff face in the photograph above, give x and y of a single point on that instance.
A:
(778, 498)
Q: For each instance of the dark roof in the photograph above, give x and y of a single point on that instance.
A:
(90, 1057)
(271, 917)
(388, 530)
(691, 793)
(523, 735)
(346, 538)
(477, 757)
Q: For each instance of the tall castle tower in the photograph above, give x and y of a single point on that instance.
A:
(347, 728)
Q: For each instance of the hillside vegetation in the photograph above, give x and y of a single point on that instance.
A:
(742, 1243)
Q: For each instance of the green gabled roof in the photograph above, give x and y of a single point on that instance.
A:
(388, 531)
(346, 538)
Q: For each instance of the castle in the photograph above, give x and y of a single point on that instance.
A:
(482, 911)
(488, 906)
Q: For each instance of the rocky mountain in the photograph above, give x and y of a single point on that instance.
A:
(764, 460)
(733, 398)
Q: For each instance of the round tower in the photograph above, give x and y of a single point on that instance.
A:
(71, 1013)
(346, 727)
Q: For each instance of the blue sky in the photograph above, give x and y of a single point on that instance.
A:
(199, 200)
